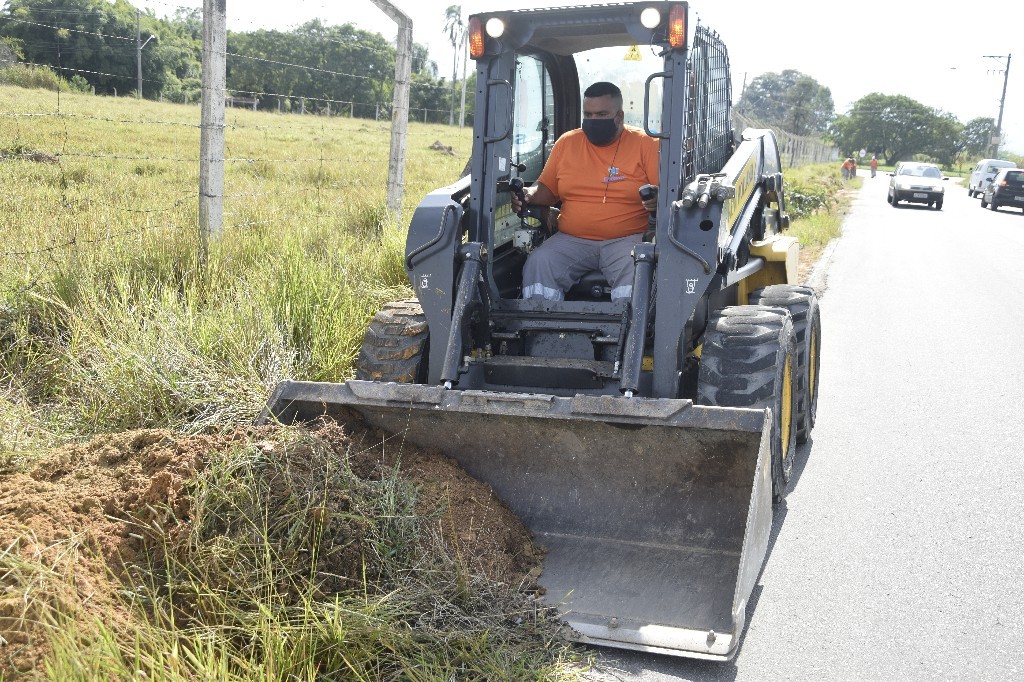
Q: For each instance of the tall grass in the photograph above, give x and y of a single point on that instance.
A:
(816, 200)
(107, 319)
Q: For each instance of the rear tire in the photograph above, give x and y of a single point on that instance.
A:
(993, 206)
(749, 359)
(395, 344)
(802, 304)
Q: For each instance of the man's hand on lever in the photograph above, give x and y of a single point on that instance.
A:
(536, 195)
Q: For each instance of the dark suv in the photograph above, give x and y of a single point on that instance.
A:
(1006, 189)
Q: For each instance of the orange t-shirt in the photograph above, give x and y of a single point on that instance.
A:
(599, 186)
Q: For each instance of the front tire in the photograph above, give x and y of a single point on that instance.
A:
(749, 359)
(938, 205)
(802, 304)
(395, 344)
(984, 204)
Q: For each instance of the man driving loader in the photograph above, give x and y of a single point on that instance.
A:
(596, 172)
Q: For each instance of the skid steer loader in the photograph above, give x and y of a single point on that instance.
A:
(642, 441)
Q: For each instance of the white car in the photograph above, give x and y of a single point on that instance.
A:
(917, 183)
(983, 173)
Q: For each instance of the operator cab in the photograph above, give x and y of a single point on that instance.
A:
(547, 96)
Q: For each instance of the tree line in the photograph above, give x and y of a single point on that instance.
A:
(895, 127)
(93, 43)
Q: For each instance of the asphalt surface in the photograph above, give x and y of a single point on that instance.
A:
(897, 555)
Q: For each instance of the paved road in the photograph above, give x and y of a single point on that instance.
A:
(897, 555)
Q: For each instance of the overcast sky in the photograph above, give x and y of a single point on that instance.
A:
(932, 51)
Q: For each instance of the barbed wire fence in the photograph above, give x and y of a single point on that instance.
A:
(333, 147)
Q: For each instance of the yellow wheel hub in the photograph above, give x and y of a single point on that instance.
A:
(787, 404)
(812, 366)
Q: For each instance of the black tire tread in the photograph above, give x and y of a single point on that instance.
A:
(394, 344)
(739, 367)
(802, 303)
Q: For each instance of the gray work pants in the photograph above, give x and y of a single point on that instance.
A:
(562, 260)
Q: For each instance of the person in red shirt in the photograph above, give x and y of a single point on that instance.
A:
(596, 172)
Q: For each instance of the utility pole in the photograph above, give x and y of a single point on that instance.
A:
(997, 138)
(399, 107)
(138, 48)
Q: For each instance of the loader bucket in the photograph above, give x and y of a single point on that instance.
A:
(654, 513)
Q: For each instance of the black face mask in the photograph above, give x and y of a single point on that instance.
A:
(600, 131)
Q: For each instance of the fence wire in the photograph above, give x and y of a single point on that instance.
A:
(82, 172)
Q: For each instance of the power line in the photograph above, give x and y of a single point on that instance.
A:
(70, 30)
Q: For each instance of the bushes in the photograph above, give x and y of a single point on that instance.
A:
(810, 189)
(40, 77)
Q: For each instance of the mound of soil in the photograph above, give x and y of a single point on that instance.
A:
(82, 512)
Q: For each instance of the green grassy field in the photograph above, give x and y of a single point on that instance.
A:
(106, 320)
(109, 323)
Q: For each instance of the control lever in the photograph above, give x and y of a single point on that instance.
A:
(526, 238)
(516, 186)
(648, 192)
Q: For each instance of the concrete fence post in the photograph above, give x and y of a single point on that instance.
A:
(399, 107)
(211, 137)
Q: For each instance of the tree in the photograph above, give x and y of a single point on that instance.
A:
(978, 136)
(10, 52)
(947, 139)
(895, 126)
(455, 29)
(790, 100)
(93, 38)
(421, 61)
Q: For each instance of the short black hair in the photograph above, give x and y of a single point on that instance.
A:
(602, 88)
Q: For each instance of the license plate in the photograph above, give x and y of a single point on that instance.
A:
(1018, 198)
(920, 195)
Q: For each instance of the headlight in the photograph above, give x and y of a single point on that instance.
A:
(495, 27)
(650, 17)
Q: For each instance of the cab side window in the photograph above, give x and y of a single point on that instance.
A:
(532, 136)
(534, 116)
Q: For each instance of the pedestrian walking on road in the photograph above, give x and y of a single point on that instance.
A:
(874, 165)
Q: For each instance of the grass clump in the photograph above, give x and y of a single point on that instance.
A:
(260, 554)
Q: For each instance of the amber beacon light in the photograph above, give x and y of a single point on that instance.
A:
(476, 38)
(677, 26)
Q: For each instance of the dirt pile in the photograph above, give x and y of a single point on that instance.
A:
(71, 527)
